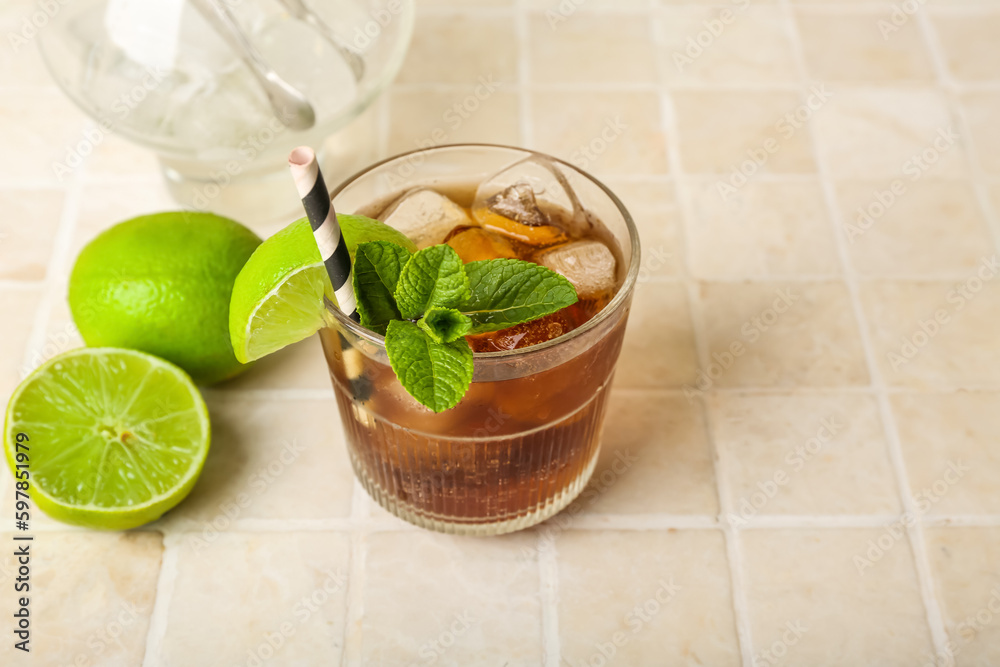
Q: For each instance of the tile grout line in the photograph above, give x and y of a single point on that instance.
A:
(734, 552)
(734, 543)
(53, 272)
(165, 582)
(979, 177)
(353, 641)
(548, 582)
(582, 523)
(521, 29)
(932, 611)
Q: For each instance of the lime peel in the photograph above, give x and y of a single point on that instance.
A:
(165, 470)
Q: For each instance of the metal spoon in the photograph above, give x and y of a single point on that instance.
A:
(299, 10)
(289, 105)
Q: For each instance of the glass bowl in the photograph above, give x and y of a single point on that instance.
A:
(158, 74)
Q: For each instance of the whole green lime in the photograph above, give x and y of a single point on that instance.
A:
(162, 284)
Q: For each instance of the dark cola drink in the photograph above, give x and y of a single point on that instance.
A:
(524, 440)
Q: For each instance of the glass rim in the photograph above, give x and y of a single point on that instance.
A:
(616, 302)
(343, 117)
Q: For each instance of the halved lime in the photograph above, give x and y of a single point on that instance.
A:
(278, 296)
(112, 438)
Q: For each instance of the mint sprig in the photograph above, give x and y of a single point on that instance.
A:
(428, 301)
(377, 265)
(506, 292)
(436, 374)
(445, 325)
(432, 278)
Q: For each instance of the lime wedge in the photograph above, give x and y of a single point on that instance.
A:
(278, 296)
(110, 438)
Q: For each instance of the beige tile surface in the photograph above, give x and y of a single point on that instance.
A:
(20, 59)
(455, 601)
(460, 48)
(560, 12)
(980, 108)
(780, 335)
(61, 334)
(655, 459)
(884, 133)
(905, 227)
(715, 140)
(104, 622)
(115, 157)
(670, 605)
(479, 113)
(282, 596)
(272, 459)
(45, 132)
(459, 4)
(298, 366)
(787, 454)
(963, 561)
(935, 333)
(766, 229)
(952, 471)
(658, 351)
(800, 582)
(690, 433)
(592, 48)
(725, 44)
(28, 223)
(655, 208)
(608, 133)
(969, 41)
(18, 306)
(860, 47)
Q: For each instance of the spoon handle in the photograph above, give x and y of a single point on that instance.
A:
(299, 10)
(289, 105)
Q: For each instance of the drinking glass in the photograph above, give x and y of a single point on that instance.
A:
(524, 441)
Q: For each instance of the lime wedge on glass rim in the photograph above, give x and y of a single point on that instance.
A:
(278, 296)
(110, 438)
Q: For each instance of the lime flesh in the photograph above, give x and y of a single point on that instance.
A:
(113, 438)
(278, 296)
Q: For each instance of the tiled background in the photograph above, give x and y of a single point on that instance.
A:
(809, 501)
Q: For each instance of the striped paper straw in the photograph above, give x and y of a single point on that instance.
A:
(326, 229)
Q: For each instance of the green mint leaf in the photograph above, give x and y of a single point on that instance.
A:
(377, 265)
(432, 278)
(506, 292)
(444, 325)
(437, 375)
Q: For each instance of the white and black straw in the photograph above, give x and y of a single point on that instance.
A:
(326, 229)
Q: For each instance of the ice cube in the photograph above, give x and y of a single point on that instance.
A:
(425, 216)
(548, 184)
(518, 203)
(515, 213)
(528, 201)
(589, 265)
(474, 243)
(530, 333)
